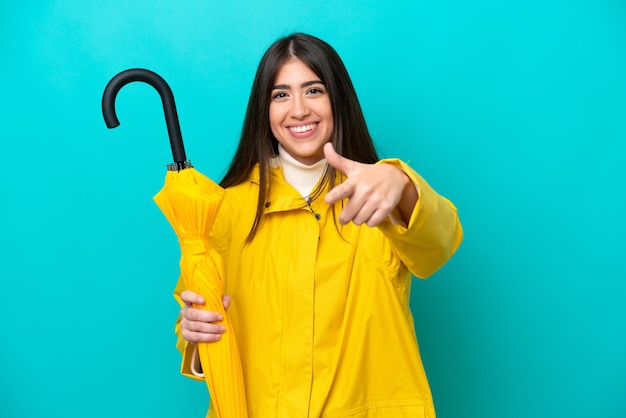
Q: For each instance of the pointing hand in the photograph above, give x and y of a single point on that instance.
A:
(373, 190)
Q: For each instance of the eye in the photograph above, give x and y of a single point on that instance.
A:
(315, 91)
(279, 95)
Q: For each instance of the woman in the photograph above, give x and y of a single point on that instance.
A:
(320, 240)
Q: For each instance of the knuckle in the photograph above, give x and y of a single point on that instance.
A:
(192, 314)
(367, 189)
(188, 336)
(387, 206)
(194, 326)
(379, 197)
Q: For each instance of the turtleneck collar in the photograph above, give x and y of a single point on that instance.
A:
(301, 176)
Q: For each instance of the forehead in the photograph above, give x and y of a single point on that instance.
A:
(294, 71)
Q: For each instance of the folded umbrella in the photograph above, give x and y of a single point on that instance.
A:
(190, 202)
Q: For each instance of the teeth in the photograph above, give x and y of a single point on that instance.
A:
(300, 129)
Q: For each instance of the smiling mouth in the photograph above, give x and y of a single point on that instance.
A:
(303, 128)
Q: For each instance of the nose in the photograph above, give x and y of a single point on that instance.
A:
(299, 108)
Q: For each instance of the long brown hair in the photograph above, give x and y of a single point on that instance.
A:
(257, 144)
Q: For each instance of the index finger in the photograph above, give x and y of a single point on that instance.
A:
(340, 192)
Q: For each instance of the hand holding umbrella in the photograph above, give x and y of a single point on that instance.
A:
(190, 201)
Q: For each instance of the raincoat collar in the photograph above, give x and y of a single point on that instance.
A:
(283, 196)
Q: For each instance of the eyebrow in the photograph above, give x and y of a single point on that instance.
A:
(305, 84)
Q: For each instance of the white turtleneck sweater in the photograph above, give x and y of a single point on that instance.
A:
(301, 176)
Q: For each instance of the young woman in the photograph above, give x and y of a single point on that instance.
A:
(320, 240)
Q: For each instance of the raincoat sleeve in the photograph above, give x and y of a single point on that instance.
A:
(433, 233)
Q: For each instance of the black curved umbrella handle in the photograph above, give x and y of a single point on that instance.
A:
(167, 97)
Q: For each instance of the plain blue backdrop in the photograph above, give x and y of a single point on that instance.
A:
(515, 111)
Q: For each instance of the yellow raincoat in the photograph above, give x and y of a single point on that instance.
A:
(321, 312)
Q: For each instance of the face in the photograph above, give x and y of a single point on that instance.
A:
(301, 116)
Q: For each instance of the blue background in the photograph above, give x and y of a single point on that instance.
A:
(516, 111)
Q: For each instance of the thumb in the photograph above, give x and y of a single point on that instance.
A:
(226, 301)
(340, 163)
